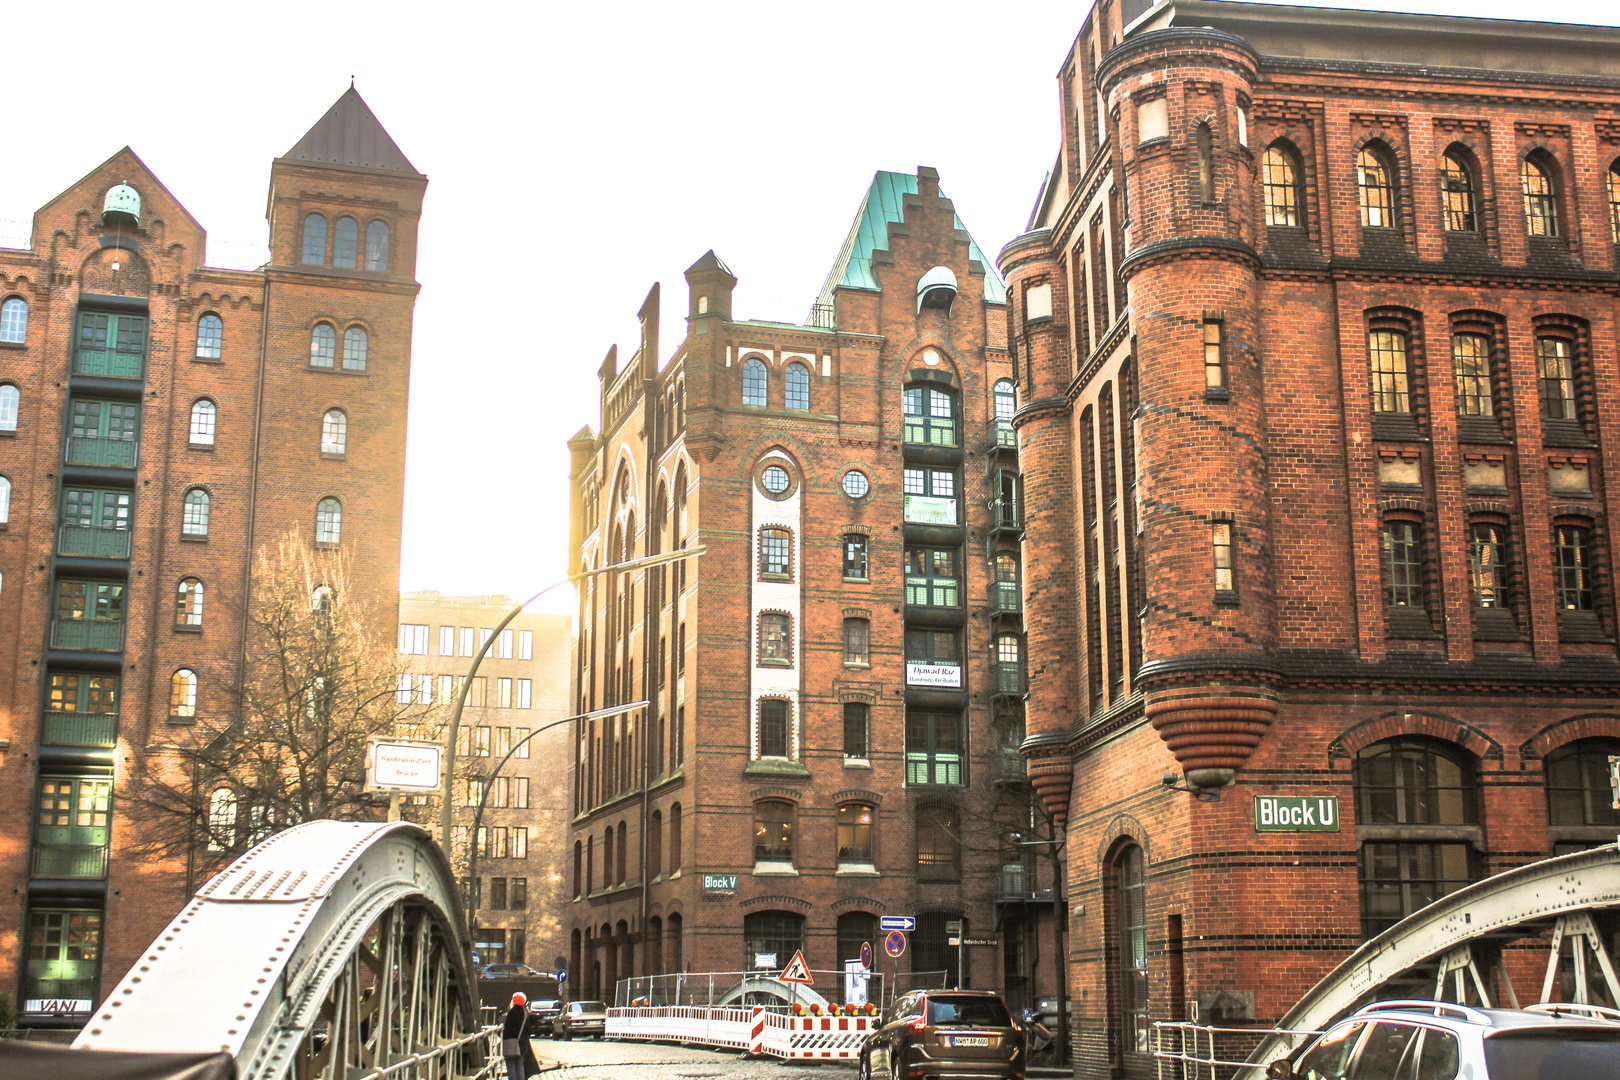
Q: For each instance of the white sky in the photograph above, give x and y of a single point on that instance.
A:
(576, 154)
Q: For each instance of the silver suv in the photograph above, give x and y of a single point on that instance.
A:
(1435, 1040)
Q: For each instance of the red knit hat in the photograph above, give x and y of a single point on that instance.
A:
(519, 999)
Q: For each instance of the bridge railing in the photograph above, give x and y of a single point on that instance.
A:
(1188, 1051)
(741, 988)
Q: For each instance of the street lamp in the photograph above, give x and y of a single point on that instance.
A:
(466, 684)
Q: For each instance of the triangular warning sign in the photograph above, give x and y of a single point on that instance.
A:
(797, 971)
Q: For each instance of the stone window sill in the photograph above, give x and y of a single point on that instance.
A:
(858, 665)
(207, 360)
(188, 628)
(774, 869)
(1226, 598)
(1217, 393)
(186, 538)
(857, 763)
(768, 662)
(856, 870)
(330, 456)
(207, 447)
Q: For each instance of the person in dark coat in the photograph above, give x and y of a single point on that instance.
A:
(516, 1032)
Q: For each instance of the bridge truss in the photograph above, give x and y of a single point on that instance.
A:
(331, 951)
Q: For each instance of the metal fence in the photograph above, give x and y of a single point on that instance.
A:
(747, 988)
(1187, 1051)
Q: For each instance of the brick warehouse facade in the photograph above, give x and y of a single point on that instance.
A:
(1271, 548)
(836, 683)
(160, 421)
(521, 684)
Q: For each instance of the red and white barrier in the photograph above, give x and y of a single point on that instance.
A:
(792, 1038)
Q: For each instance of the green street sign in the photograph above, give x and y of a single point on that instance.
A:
(720, 883)
(1296, 813)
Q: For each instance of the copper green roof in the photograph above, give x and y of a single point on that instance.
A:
(885, 202)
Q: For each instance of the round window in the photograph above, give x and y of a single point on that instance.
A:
(775, 479)
(856, 485)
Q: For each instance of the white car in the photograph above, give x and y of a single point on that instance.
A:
(1436, 1040)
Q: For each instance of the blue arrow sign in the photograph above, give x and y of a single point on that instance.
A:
(897, 922)
(562, 976)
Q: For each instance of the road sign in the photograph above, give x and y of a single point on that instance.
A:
(562, 976)
(796, 971)
(895, 944)
(980, 941)
(897, 922)
(401, 765)
(866, 954)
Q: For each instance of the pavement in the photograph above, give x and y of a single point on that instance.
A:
(587, 1059)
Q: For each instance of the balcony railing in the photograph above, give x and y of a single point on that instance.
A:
(1011, 764)
(96, 543)
(1004, 514)
(936, 768)
(1005, 436)
(80, 728)
(95, 450)
(70, 861)
(1009, 678)
(89, 634)
(1006, 598)
(40, 989)
(108, 362)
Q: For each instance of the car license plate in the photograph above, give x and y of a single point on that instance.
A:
(970, 1040)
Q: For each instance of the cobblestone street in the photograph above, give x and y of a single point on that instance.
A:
(592, 1060)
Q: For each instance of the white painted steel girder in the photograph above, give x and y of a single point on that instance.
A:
(249, 963)
(1528, 898)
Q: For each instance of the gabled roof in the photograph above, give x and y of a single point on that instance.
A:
(350, 135)
(885, 202)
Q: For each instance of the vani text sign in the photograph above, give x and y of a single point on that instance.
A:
(1296, 813)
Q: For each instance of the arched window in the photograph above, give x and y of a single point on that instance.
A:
(930, 416)
(354, 349)
(1280, 183)
(770, 938)
(1471, 362)
(346, 243)
(1206, 162)
(1612, 179)
(10, 405)
(1540, 196)
(188, 609)
(183, 693)
(621, 851)
(1130, 951)
(775, 728)
(377, 246)
(796, 386)
(1008, 596)
(857, 730)
(607, 857)
(1572, 546)
(1487, 564)
(5, 500)
(858, 641)
(579, 867)
(1578, 795)
(1386, 358)
(322, 345)
(210, 337)
(314, 240)
(1555, 371)
(1402, 544)
(1006, 403)
(335, 432)
(194, 520)
(222, 820)
(674, 838)
(1009, 665)
(321, 598)
(754, 381)
(855, 832)
(14, 320)
(1457, 193)
(1375, 189)
(655, 845)
(856, 928)
(775, 637)
(203, 415)
(775, 552)
(328, 522)
(939, 844)
(1416, 815)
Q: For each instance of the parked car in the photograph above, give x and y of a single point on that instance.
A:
(544, 1011)
(580, 1018)
(505, 971)
(1439, 1041)
(932, 1033)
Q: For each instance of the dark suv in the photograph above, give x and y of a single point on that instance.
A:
(940, 1033)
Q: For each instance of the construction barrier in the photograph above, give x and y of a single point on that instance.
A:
(754, 1029)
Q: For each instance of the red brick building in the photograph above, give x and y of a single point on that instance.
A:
(160, 420)
(1274, 547)
(836, 683)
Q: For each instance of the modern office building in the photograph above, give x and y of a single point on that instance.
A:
(835, 686)
(1270, 547)
(161, 421)
(516, 891)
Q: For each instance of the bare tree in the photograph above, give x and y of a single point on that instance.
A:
(319, 679)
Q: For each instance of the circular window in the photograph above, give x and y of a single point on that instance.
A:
(856, 485)
(931, 358)
(775, 479)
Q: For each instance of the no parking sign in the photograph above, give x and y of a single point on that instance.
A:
(895, 944)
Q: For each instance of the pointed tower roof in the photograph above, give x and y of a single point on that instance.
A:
(885, 202)
(710, 261)
(350, 135)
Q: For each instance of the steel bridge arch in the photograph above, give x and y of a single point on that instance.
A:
(1448, 940)
(266, 962)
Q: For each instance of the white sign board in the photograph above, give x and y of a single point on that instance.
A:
(58, 1005)
(400, 765)
(765, 960)
(930, 510)
(854, 983)
(934, 675)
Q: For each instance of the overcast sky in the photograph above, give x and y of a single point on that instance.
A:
(576, 154)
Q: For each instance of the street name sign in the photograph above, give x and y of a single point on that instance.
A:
(897, 922)
(402, 765)
(1296, 813)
